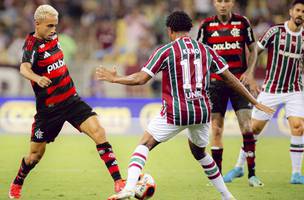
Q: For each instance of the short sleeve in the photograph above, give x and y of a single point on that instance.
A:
(218, 64)
(266, 39)
(29, 52)
(248, 32)
(156, 61)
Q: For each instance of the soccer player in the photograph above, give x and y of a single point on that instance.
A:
(283, 85)
(186, 65)
(229, 34)
(56, 99)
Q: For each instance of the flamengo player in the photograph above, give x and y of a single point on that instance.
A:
(283, 84)
(229, 34)
(56, 99)
(186, 66)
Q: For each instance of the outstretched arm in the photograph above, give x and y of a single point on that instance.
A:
(137, 78)
(235, 84)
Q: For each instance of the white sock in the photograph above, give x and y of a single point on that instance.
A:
(241, 159)
(214, 175)
(296, 153)
(136, 165)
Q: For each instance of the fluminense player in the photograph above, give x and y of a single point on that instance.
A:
(229, 34)
(283, 85)
(56, 100)
(186, 65)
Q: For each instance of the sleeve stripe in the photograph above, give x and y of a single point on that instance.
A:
(260, 45)
(222, 70)
(148, 71)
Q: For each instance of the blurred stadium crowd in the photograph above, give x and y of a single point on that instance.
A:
(120, 33)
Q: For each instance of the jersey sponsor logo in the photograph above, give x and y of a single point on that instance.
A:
(39, 134)
(192, 95)
(215, 34)
(291, 55)
(271, 32)
(55, 65)
(227, 46)
(236, 23)
(46, 55)
(235, 32)
(214, 24)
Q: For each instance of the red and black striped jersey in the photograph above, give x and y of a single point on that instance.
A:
(46, 58)
(228, 40)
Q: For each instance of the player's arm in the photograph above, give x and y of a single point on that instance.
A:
(27, 72)
(235, 84)
(137, 78)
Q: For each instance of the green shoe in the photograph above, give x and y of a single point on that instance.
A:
(255, 182)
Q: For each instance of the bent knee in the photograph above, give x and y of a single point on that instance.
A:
(297, 129)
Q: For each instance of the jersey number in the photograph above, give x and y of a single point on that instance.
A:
(189, 94)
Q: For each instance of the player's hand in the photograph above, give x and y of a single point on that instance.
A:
(246, 78)
(44, 82)
(105, 74)
(254, 88)
(264, 108)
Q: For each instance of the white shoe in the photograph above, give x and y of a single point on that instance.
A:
(229, 198)
(124, 194)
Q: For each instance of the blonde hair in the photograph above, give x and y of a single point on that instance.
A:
(43, 11)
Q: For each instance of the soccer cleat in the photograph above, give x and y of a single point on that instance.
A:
(297, 178)
(236, 172)
(229, 198)
(119, 185)
(15, 191)
(255, 182)
(123, 194)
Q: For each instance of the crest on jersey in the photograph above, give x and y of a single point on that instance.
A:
(235, 32)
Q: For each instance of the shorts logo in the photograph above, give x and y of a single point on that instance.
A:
(39, 134)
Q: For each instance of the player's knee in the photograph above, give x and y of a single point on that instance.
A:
(217, 131)
(35, 157)
(257, 130)
(297, 129)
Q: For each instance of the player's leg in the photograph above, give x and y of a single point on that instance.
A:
(158, 131)
(294, 108)
(81, 116)
(250, 130)
(198, 140)
(219, 106)
(96, 132)
(27, 164)
(296, 149)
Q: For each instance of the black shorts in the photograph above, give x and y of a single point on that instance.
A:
(48, 123)
(220, 93)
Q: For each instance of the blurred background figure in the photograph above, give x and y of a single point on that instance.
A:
(121, 32)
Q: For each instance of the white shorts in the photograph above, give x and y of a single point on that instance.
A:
(161, 131)
(293, 104)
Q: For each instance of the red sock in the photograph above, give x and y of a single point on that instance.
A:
(23, 172)
(217, 155)
(106, 154)
(249, 148)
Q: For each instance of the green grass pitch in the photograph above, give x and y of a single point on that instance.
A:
(72, 170)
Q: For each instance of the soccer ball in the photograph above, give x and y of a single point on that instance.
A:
(145, 187)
